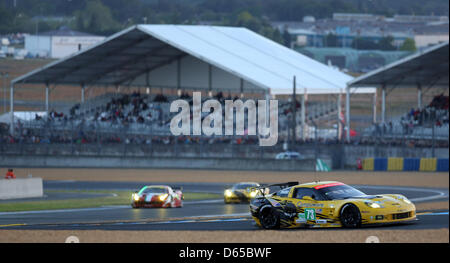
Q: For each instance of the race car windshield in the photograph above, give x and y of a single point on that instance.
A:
(153, 190)
(340, 192)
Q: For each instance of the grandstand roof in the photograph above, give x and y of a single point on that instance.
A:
(126, 57)
(428, 68)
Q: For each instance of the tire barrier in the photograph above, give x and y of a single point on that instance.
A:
(411, 164)
(380, 164)
(368, 164)
(406, 164)
(428, 164)
(442, 165)
(395, 164)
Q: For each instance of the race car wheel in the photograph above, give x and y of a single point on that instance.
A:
(350, 216)
(269, 218)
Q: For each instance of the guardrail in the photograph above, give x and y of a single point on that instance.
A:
(157, 163)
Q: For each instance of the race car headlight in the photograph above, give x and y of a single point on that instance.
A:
(228, 193)
(135, 197)
(373, 205)
(253, 194)
(163, 197)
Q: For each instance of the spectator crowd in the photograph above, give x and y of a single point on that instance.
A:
(136, 108)
(434, 114)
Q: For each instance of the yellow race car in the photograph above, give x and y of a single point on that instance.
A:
(327, 204)
(240, 192)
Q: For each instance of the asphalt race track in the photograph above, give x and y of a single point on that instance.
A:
(195, 215)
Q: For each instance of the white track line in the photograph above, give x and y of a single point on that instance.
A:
(435, 214)
(203, 202)
(223, 215)
(62, 210)
(438, 193)
(98, 208)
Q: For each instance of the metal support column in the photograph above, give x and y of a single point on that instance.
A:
(339, 113)
(5, 76)
(11, 109)
(347, 113)
(267, 98)
(179, 76)
(383, 104)
(303, 113)
(147, 82)
(83, 87)
(374, 107)
(210, 80)
(46, 97)
(242, 88)
(419, 96)
(294, 111)
(433, 140)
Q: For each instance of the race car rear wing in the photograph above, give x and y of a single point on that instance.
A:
(264, 189)
(283, 185)
(177, 188)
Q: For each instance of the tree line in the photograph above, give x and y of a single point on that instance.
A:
(105, 17)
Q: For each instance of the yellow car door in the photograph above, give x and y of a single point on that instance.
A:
(311, 209)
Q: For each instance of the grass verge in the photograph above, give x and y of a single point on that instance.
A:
(119, 198)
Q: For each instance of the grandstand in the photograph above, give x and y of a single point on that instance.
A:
(425, 70)
(149, 66)
(180, 59)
